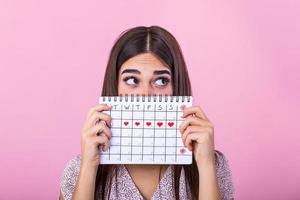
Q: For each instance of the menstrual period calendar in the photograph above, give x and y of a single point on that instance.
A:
(145, 130)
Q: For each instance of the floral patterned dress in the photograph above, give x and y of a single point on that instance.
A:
(123, 187)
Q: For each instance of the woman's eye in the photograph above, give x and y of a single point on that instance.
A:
(131, 80)
(162, 81)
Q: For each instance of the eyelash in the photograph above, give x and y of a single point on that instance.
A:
(130, 77)
(164, 79)
(167, 80)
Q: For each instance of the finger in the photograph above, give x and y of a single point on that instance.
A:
(189, 130)
(193, 129)
(189, 140)
(99, 128)
(102, 140)
(191, 120)
(104, 130)
(97, 116)
(193, 110)
(98, 108)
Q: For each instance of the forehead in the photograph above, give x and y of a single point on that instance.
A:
(145, 61)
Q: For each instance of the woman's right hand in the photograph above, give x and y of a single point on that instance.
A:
(95, 132)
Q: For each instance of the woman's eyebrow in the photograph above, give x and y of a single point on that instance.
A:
(135, 71)
(158, 72)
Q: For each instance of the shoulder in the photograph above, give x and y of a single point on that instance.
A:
(224, 175)
(69, 177)
(221, 160)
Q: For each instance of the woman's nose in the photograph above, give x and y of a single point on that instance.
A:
(146, 90)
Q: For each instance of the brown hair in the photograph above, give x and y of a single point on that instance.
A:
(160, 42)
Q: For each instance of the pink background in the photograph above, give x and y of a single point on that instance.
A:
(243, 58)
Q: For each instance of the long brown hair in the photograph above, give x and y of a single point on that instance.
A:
(163, 44)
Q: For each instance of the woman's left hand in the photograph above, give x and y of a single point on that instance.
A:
(198, 134)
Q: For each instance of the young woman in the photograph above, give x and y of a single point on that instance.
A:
(147, 61)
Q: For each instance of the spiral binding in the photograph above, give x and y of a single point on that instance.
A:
(144, 98)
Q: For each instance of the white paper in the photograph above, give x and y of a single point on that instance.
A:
(145, 130)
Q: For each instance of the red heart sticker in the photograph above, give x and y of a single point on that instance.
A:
(148, 123)
(159, 124)
(182, 151)
(126, 123)
(170, 124)
(137, 123)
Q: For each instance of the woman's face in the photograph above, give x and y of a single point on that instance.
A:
(144, 74)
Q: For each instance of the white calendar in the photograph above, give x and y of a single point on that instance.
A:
(145, 130)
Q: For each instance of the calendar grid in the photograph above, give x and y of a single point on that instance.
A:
(170, 154)
(176, 131)
(124, 136)
(145, 128)
(154, 131)
(131, 133)
(166, 137)
(121, 136)
(145, 132)
(143, 136)
(128, 145)
(170, 111)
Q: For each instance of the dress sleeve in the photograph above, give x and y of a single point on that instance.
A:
(224, 176)
(69, 177)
